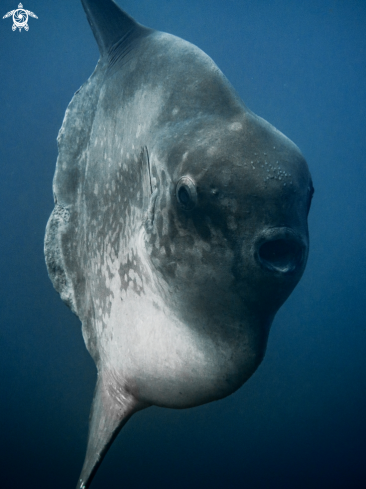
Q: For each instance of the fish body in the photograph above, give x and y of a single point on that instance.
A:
(179, 228)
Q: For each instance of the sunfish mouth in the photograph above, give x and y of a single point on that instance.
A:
(280, 250)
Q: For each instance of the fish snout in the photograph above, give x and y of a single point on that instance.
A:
(281, 250)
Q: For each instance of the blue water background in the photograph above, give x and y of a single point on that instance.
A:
(299, 422)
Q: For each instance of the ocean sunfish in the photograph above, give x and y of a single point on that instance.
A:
(179, 227)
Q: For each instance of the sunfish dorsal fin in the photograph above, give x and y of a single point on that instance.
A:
(111, 409)
(110, 23)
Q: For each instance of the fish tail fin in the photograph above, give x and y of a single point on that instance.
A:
(110, 23)
(111, 409)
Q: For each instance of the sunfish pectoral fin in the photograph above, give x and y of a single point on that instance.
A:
(111, 409)
(147, 186)
(149, 189)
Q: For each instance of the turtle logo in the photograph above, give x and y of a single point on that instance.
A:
(20, 18)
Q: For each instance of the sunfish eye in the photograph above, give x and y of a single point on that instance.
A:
(186, 193)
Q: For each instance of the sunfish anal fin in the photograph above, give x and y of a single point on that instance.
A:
(111, 409)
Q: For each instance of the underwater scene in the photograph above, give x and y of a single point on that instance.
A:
(298, 420)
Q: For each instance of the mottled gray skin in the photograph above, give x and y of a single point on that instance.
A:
(176, 289)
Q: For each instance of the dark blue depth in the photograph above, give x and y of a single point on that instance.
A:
(300, 420)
